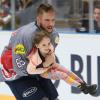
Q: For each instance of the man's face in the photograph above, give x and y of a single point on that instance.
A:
(97, 14)
(47, 21)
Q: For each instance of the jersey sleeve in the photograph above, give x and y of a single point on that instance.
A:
(21, 47)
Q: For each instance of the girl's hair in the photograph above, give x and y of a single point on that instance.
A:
(39, 36)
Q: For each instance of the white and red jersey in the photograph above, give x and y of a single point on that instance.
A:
(14, 57)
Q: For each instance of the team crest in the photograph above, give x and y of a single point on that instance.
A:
(19, 49)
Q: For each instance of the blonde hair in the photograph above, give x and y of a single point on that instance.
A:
(45, 8)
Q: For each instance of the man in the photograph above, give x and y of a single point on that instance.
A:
(85, 22)
(5, 15)
(97, 18)
(23, 85)
(20, 45)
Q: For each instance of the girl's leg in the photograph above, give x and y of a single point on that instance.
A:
(69, 73)
(57, 75)
(74, 80)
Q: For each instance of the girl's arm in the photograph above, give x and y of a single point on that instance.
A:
(32, 69)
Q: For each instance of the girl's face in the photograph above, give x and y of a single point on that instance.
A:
(45, 46)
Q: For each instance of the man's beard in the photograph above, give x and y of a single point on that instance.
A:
(42, 28)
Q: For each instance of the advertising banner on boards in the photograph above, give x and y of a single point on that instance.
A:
(79, 53)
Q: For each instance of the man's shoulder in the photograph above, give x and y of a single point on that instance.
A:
(29, 26)
(55, 32)
(27, 29)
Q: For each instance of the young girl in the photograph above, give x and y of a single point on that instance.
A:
(42, 61)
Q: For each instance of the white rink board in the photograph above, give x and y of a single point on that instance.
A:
(82, 45)
(69, 44)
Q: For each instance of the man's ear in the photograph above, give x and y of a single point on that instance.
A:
(38, 19)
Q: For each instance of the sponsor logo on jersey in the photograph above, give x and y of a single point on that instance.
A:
(56, 39)
(14, 33)
(29, 91)
(19, 49)
(20, 63)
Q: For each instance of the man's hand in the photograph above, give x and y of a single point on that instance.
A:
(49, 60)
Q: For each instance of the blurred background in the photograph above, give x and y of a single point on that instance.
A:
(70, 14)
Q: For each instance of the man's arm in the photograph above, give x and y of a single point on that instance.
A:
(21, 47)
(33, 68)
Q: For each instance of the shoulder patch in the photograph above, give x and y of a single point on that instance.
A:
(19, 49)
(56, 39)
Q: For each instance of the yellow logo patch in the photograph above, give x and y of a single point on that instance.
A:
(19, 49)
